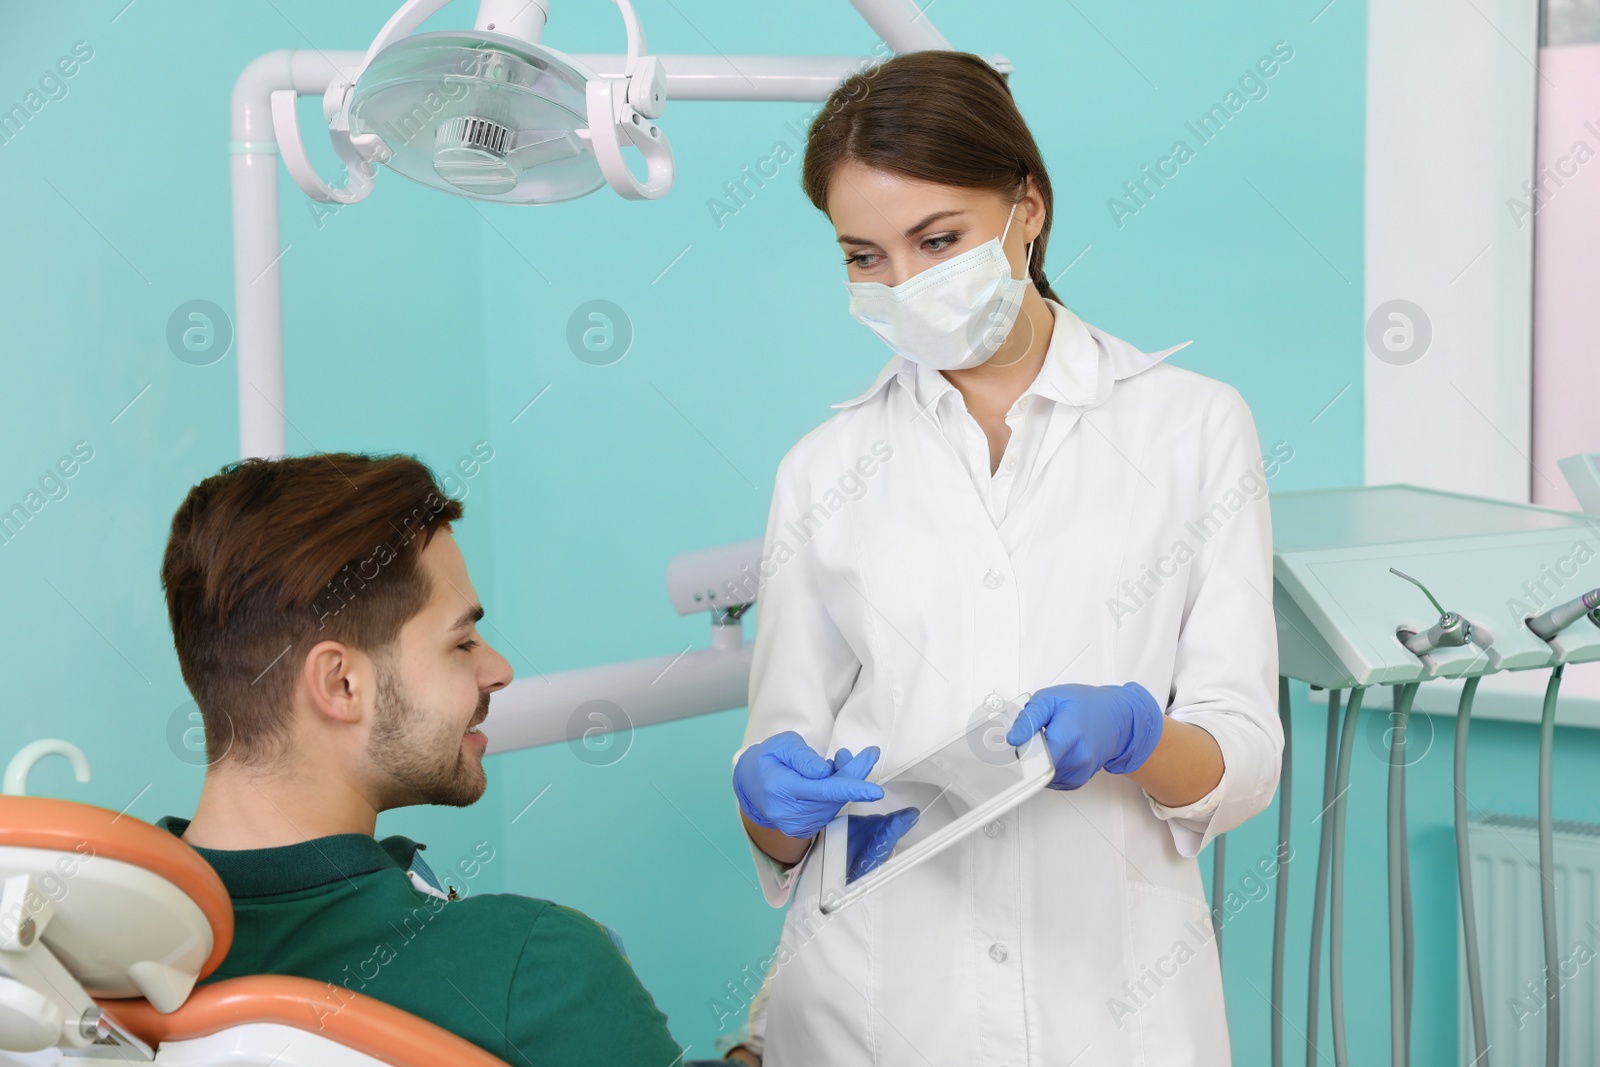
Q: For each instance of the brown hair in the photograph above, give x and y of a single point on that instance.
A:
(269, 556)
(937, 116)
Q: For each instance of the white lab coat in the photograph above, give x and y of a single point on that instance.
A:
(893, 609)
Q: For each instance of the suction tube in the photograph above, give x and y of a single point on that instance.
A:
(1547, 885)
(1347, 740)
(1320, 899)
(1399, 895)
(1469, 922)
(1281, 905)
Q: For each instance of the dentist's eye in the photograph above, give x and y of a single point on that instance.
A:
(934, 243)
(858, 259)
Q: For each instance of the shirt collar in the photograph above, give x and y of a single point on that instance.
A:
(1079, 366)
(264, 872)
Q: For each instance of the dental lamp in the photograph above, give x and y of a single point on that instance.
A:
(490, 114)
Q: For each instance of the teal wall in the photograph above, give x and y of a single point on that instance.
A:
(420, 323)
(118, 212)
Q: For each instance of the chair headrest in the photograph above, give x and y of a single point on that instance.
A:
(131, 909)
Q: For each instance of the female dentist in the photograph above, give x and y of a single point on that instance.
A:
(1020, 503)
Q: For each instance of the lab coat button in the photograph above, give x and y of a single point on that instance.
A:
(993, 579)
(994, 829)
(997, 952)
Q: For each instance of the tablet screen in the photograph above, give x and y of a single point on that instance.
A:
(927, 796)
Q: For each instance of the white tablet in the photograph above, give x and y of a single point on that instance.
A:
(930, 803)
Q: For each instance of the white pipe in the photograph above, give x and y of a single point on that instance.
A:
(719, 77)
(551, 708)
(901, 24)
(16, 778)
(257, 272)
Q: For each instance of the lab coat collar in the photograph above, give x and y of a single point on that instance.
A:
(1079, 366)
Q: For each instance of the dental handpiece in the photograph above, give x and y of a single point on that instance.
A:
(1550, 623)
(1451, 631)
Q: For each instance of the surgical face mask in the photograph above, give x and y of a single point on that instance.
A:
(952, 316)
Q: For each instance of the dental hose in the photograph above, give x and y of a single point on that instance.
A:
(1281, 905)
(1406, 924)
(1219, 861)
(1399, 903)
(1320, 898)
(1547, 885)
(1347, 740)
(1469, 923)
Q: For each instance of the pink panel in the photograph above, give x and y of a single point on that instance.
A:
(1566, 266)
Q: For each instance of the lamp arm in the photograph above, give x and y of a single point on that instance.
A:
(412, 13)
(286, 128)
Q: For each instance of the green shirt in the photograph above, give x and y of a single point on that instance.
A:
(535, 983)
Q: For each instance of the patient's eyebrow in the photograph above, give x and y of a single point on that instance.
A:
(468, 617)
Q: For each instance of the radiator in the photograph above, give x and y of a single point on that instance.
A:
(1505, 887)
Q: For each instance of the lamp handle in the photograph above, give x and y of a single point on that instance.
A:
(608, 116)
(16, 778)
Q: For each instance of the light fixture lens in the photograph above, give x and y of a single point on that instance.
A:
(480, 115)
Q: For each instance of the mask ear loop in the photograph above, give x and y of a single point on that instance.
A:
(1027, 263)
(1007, 229)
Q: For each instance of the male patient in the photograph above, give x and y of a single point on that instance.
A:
(327, 629)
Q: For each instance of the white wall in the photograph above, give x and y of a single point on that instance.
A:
(1450, 138)
(1566, 368)
(1453, 90)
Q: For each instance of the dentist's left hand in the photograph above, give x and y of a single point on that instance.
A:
(784, 785)
(1090, 728)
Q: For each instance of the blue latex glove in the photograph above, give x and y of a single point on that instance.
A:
(872, 839)
(784, 785)
(1091, 727)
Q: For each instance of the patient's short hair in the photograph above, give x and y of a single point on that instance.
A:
(267, 557)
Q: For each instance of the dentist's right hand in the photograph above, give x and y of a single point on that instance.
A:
(784, 785)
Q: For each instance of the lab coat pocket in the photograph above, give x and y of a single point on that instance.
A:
(1172, 989)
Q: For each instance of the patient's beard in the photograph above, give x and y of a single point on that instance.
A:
(424, 758)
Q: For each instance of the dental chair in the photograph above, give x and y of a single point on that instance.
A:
(107, 923)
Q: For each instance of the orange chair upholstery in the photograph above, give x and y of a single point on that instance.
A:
(365, 1025)
(359, 1022)
(64, 825)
